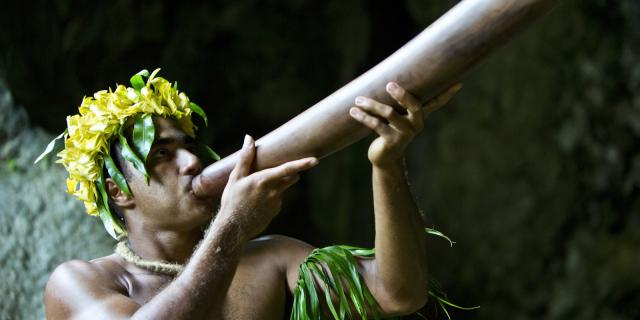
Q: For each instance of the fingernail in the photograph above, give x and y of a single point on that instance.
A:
(247, 140)
(359, 101)
(392, 86)
(354, 111)
(313, 161)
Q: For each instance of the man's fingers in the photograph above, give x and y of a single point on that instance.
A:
(442, 99)
(245, 159)
(404, 98)
(288, 169)
(370, 122)
(385, 112)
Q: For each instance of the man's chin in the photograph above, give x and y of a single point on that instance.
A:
(198, 201)
(203, 210)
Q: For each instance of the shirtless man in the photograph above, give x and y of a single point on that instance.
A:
(227, 275)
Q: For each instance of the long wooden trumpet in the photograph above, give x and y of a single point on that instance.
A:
(430, 62)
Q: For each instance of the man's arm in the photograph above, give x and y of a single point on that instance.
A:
(249, 202)
(84, 290)
(397, 276)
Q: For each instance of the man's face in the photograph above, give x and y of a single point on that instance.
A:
(167, 202)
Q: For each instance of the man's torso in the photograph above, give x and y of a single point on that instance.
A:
(258, 290)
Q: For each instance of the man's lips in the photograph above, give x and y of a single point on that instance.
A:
(188, 186)
(189, 191)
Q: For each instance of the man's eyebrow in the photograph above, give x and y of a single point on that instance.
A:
(185, 140)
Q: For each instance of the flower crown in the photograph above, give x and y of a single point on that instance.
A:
(102, 119)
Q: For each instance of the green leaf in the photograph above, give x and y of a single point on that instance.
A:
(129, 155)
(113, 225)
(357, 288)
(137, 80)
(102, 192)
(116, 175)
(311, 290)
(106, 219)
(303, 304)
(361, 252)
(320, 272)
(446, 312)
(144, 73)
(209, 152)
(336, 286)
(196, 108)
(340, 271)
(143, 134)
(439, 234)
(451, 304)
(336, 270)
(50, 147)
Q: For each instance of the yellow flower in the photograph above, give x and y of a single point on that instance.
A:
(100, 117)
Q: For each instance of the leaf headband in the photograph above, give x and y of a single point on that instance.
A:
(102, 119)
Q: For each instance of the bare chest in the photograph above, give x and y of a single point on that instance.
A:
(257, 291)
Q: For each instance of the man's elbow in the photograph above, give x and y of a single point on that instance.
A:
(406, 302)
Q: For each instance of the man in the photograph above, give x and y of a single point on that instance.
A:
(225, 274)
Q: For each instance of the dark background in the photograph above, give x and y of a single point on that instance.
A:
(533, 169)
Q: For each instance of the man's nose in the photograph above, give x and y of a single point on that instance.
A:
(189, 163)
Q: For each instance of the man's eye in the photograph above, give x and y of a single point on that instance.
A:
(162, 152)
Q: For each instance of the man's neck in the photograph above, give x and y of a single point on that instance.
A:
(168, 245)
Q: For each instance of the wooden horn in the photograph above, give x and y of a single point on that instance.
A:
(430, 62)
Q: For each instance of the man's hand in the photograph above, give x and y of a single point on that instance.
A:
(253, 199)
(395, 130)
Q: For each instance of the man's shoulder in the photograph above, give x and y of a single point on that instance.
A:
(103, 271)
(283, 251)
(280, 245)
(74, 282)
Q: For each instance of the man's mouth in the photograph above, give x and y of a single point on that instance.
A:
(188, 187)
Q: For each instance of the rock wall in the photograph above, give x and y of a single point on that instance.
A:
(41, 225)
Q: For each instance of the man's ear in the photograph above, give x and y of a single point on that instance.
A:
(118, 196)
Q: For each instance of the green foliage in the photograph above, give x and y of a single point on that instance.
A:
(138, 80)
(329, 269)
(51, 146)
(144, 132)
(196, 108)
(113, 225)
(116, 175)
(210, 153)
(128, 154)
(439, 234)
(334, 268)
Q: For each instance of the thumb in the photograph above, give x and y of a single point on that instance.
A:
(245, 159)
(442, 99)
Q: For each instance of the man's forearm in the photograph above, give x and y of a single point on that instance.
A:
(399, 241)
(201, 288)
